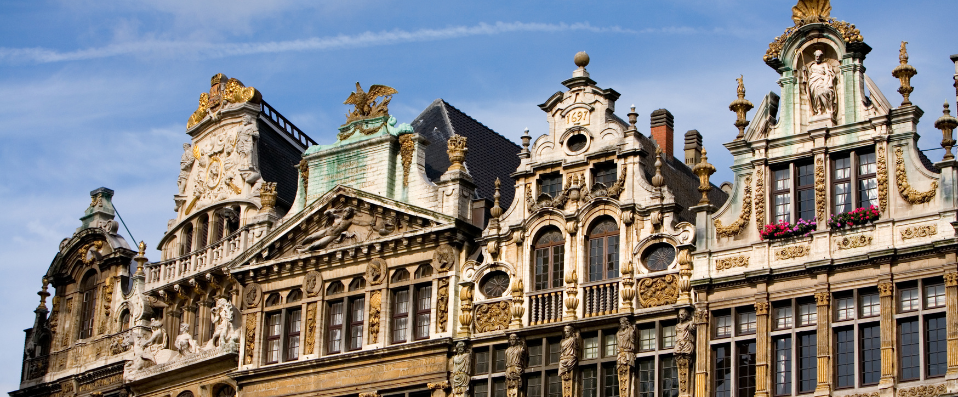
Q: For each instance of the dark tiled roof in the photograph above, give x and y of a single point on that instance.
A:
(925, 161)
(277, 163)
(490, 155)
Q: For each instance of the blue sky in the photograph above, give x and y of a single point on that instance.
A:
(98, 93)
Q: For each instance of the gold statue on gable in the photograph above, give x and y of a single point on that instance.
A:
(365, 102)
(223, 91)
(811, 11)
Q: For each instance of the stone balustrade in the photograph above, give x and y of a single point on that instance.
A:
(203, 259)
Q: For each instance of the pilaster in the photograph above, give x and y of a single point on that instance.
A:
(702, 353)
(951, 294)
(823, 300)
(886, 291)
(761, 348)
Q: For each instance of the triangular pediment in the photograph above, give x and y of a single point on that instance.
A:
(344, 219)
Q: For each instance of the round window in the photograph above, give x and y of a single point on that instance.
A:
(577, 142)
(495, 284)
(659, 256)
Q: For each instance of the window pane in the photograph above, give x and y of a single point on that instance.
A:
(612, 257)
(558, 259)
(609, 344)
(356, 318)
(335, 327)
(534, 385)
(936, 346)
(846, 307)
(806, 204)
(669, 381)
(843, 168)
(845, 357)
(482, 361)
(589, 381)
(595, 259)
(783, 317)
(746, 369)
(542, 269)
(867, 192)
(782, 202)
(555, 384)
(843, 202)
(646, 375)
(909, 299)
(554, 351)
(292, 335)
(871, 305)
(934, 295)
(400, 321)
(871, 354)
(480, 389)
(423, 306)
(499, 388)
(782, 180)
(783, 366)
(668, 336)
(499, 354)
(808, 353)
(610, 382)
(723, 325)
(908, 349)
(806, 174)
(746, 323)
(646, 339)
(535, 354)
(866, 164)
(590, 347)
(723, 371)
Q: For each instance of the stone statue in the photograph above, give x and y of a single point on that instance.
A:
(184, 343)
(338, 222)
(568, 359)
(684, 333)
(244, 141)
(225, 336)
(516, 359)
(140, 354)
(625, 358)
(158, 338)
(186, 165)
(820, 86)
(461, 371)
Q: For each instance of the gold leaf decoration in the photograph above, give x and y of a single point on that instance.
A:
(442, 305)
(375, 307)
(736, 227)
(848, 31)
(882, 176)
(728, 263)
(760, 197)
(792, 251)
(910, 195)
(250, 337)
(310, 328)
(849, 242)
(923, 391)
(493, 316)
(918, 231)
(820, 209)
(658, 291)
(223, 91)
(406, 148)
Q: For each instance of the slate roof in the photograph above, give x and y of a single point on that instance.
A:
(490, 155)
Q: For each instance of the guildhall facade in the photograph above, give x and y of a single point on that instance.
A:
(439, 259)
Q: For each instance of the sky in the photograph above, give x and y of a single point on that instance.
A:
(97, 93)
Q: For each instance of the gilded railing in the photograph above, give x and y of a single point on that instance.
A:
(545, 307)
(601, 299)
(218, 253)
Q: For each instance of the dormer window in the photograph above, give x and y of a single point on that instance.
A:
(604, 173)
(854, 181)
(793, 192)
(550, 184)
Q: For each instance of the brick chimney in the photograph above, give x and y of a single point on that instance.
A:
(693, 148)
(662, 130)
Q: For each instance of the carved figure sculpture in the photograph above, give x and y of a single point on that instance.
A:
(186, 165)
(158, 338)
(625, 358)
(140, 354)
(461, 371)
(184, 343)
(568, 359)
(225, 336)
(516, 359)
(338, 222)
(244, 140)
(820, 80)
(684, 333)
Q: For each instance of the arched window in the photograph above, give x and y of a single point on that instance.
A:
(185, 394)
(88, 310)
(294, 296)
(187, 239)
(424, 271)
(272, 300)
(201, 238)
(549, 259)
(400, 275)
(658, 256)
(334, 288)
(232, 220)
(604, 250)
(226, 391)
(125, 320)
(357, 284)
(217, 228)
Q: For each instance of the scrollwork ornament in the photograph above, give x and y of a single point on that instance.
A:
(732, 262)
(739, 225)
(493, 316)
(908, 193)
(951, 279)
(442, 305)
(918, 231)
(310, 326)
(886, 288)
(407, 146)
(850, 242)
(375, 308)
(658, 291)
(760, 197)
(792, 252)
(820, 187)
(250, 337)
(882, 176)
(924, 391)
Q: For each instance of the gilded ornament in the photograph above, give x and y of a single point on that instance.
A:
(310, 343)
(886, 288)
(823, 298)
(493, 316)
(729, 263)
(456, 150)
(849, 242)
(444, 385)
(812, 11)
(223, 91)
(792, 252)
(904, 72)
(739, 225)
(918, 231)
(761, 308)
(820, 193)
(910, 195)
(924, 391)
(250, 337)
(951, 279)
(375, 308)
(740, 106)
(704, 171)
(658, 291)
(882, 176)
(407, 146)
(442, 305)
(760, 197)
(267, 196)
(365, 102)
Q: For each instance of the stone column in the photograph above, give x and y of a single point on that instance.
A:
(823, 300)
(761, 349)
(702, 351)
(174, 318)
(951, 290)
(886, 291)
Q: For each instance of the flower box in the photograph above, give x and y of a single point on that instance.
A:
(856, 217)
(782, 230)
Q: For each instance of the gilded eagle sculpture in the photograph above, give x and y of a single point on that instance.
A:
(811, 11)
(365, 102)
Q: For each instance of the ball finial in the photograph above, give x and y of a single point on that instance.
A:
(581, 59)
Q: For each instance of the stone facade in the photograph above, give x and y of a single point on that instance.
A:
(600, 265)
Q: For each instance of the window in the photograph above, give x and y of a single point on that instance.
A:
(781, 195)
(845, 306)
(283, 326)
(356, 318)
(645, 369)
(807, 365)
(647, 338)
(490, 374)
(909, 349)
(604, 173)
(125, 320)
(495, 284)
(272, 300)
(871, 354)
(805, 191)
(604, 250)
(668, 336)
(922, 336)
(783, 317)
(935, 346)
(783, 365)
(871, 305)
(549, 259)
(335, 329)
(187, 239)
(400, 311)
(854, 181)
(746, 368)
(746, 322)
(590, 347)
(934, 295)
(411, 307)
(845, 357)
(807, 314)
(292, 334)
(273, 334)
(424, 271)
(659, 256)
(723, 371)
(88, 308)
(669, 385)
(550, 184)
(598, 375)
(723, 325)
(734, 361)
(202, 237)
(909, 299)
(346, 319)
(423, 306)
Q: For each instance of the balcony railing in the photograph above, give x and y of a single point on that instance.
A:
(601, 299)
(291, 130)
(545, 308)
(218, 253)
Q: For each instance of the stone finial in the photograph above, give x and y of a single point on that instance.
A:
(43, 295)
(904, 72)
(267, 196)
(496, 211)
(946, 123)
(457, 152)
(581, 60)
(658, 180)
(526, 138)
(140, 259)
(633, 118)
(704, 170)
(740, 106)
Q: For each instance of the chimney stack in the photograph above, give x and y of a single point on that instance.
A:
(693, 148)
(662, 130)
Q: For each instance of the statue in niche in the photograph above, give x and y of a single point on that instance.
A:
(568, 359)
(516, 357)
(820, 76)
(625, 358)
(186, 165)
(460, 370)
